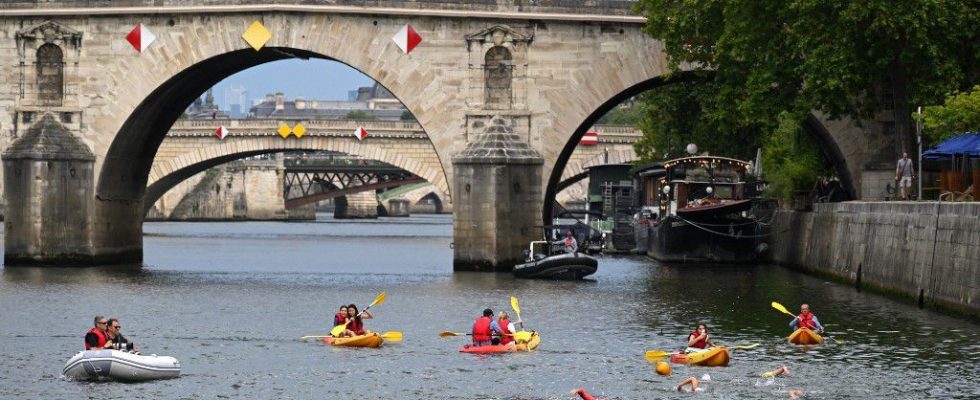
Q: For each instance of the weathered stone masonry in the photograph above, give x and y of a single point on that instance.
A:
(928, 252)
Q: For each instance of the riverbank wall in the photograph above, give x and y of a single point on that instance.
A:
(926, 252)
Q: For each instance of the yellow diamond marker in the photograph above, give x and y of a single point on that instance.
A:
(299, 130)
(256, 35)
(284, 130)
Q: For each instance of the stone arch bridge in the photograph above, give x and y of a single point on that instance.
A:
(546, 72)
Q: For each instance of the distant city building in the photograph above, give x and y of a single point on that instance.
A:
(236, 101)
(206, 109)
(374, 100)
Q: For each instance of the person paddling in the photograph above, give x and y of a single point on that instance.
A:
(504, 328)
(96, 338)
(356, 325)
(698, 339)
(482, 332)
(806, 319)
(340, 317)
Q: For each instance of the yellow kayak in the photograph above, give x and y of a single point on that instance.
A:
(531, 344)
(713, 357)
(805, 336)
(371, 340)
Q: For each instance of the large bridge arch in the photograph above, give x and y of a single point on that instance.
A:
(167, 174)
(828, 139)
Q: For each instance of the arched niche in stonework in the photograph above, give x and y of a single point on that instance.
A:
(48, 54)
(497, 79)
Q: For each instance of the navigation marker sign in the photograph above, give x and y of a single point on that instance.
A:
(590, 138)
(221, 132)
(407, 38)
(140, 37)
(360, 133)
(257, 35)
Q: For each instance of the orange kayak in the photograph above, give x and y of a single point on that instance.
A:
(372, 340)
(805, 336)
(713, 357)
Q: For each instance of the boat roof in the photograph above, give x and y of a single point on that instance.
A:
(693, 159)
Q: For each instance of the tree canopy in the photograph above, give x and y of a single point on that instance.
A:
(959, 114)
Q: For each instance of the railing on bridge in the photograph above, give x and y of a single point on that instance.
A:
(596, 7)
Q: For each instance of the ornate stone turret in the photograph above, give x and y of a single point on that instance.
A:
(497, 199)
(48, 183)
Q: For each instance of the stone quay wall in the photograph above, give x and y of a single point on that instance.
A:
(927, 252)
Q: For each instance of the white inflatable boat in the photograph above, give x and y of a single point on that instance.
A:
(120, 365)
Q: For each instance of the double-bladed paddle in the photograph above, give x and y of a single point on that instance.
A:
(523, 336)
(337, 330)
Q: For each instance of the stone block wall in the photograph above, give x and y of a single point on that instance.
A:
(928, 252)
(359, 205)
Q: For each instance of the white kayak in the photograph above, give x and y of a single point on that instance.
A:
(120, 365)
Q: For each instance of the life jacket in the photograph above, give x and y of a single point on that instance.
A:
(339, 319)
(356, 325)
(504, 330)
(481, 329)
(700, 343)
(806, 321)
(99, 334)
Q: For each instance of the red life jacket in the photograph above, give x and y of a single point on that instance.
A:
(505, 331)
(340, 318)
(356, 326)
(99, 334)
(805, 321)
(700, 344)
(481, 329)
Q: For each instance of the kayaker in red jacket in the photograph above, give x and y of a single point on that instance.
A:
(96, 338)
(698, 339)
(806, 319)
(503, 328)
(341, 316)
(585, 396)
(356, 325)
(482, 333)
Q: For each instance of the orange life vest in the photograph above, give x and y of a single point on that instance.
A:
(700, 344)
(805, 321)
(504, 330)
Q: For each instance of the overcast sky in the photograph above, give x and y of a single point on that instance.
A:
(312, 79)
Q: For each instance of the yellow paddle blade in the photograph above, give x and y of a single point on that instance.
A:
(392, 336)
(450, 334)
(655, 355)
(781, 309)
(516, 306)
(744, 346)
(523, 336)
(337, 330)
(378, 300)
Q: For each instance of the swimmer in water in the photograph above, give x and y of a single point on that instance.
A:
(692, 381)
(781, 371)
(585, 396)
(796, 394)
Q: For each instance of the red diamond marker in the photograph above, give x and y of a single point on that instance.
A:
(407, 38)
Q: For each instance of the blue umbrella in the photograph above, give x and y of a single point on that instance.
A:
(967, 144)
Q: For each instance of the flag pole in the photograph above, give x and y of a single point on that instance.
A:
(918, 132)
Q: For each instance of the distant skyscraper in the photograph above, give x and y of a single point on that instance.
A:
(352, 95)
(236, 100)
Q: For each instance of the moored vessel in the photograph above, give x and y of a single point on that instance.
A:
(120, 365)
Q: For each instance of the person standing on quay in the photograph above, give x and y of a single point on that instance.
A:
(904, 174)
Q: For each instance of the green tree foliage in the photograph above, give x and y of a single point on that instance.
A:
(408, 116)
(361, 115)
(681, 113)
(623, 115)
(959, 114)
(775, 61)
(795, 155)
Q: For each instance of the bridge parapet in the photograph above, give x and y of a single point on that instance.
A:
(326, 128)
(595, 7)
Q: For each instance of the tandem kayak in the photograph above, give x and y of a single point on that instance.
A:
(504, 348)
(713, 357)
(371, 340)
(805, 336)
(120, 365)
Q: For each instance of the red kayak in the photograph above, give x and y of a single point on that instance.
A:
(503, 348)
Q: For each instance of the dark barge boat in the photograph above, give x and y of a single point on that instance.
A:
(703, 213)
